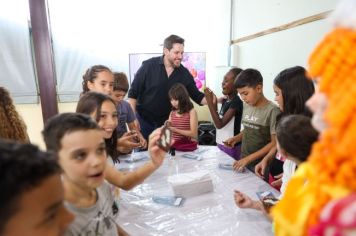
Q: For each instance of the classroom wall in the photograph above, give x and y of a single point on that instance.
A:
(204, 24)
(274, 52)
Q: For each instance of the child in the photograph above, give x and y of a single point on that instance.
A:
(258, 118)
(292, 89)
(31, 199)
(126, 115)
(294, 144)
(11, 125)
(78, 141)
(102, 109)
(228, 121)
(100, 79)
(183, 120)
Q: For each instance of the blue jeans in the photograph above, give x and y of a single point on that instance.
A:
(146, 127)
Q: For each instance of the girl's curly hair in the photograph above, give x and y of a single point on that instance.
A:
(11, 126)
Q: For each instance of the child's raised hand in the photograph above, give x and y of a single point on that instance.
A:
(242, 200)
(209, 95)
(157, 154)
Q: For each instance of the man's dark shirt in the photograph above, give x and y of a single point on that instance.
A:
(151, 85)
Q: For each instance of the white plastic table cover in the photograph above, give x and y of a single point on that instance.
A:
(213, 213)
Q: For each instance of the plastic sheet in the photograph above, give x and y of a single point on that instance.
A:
(213, 213)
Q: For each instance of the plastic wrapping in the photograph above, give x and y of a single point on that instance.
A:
(213, 213)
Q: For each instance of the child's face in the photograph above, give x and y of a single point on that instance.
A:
(83, 158)
(278, 97)
(228, 84)
(103, 83)
(41, 211)
(108, 119)
(174, 103)
(118, 96)
(250, 95)
(318, 104)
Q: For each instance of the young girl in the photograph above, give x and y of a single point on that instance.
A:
(11, 125)
(294, 143)
(100, 79)
(292, 89)
(228, 121)
(183, 120)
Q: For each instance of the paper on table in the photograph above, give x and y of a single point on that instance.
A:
(190, 177)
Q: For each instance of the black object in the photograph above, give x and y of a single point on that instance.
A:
(206, 133)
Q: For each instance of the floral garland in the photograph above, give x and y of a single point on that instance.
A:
(330, 171)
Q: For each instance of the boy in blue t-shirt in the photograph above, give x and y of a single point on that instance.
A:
(258, 119)
(126, 114)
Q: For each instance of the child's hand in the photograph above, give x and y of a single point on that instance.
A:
(278, 181)
(242, 200)
(143, 141)
(209, 95)
(230, 142)
(126, 143)
(241, 164)
(168, 123)
(157, 154)
(260, 168)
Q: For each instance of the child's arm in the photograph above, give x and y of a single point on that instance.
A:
(262, 165)
(243, 201)
(212, 104)
(256, 155)
(129, 180)
(193, 132)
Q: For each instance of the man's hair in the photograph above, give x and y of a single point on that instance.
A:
(296, 135)
(172, 39)
(248, 78)
(121, 82)
(62, 124)
(23, 167)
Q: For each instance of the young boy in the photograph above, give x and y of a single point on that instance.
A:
(31, 199)
(258, 120)
(126, 115)
(80, 146)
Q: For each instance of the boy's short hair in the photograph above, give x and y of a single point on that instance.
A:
(121, 82)
(172, 39)
(23, 167)
(248, 78)
(296, 135)
(64, 123)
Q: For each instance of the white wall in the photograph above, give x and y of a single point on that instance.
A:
(274, 52)
(106, 31)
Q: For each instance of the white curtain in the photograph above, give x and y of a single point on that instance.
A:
(16, 61)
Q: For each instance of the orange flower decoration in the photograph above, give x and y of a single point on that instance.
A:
(330, 171)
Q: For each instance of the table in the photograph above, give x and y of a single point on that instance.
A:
(214, 213)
